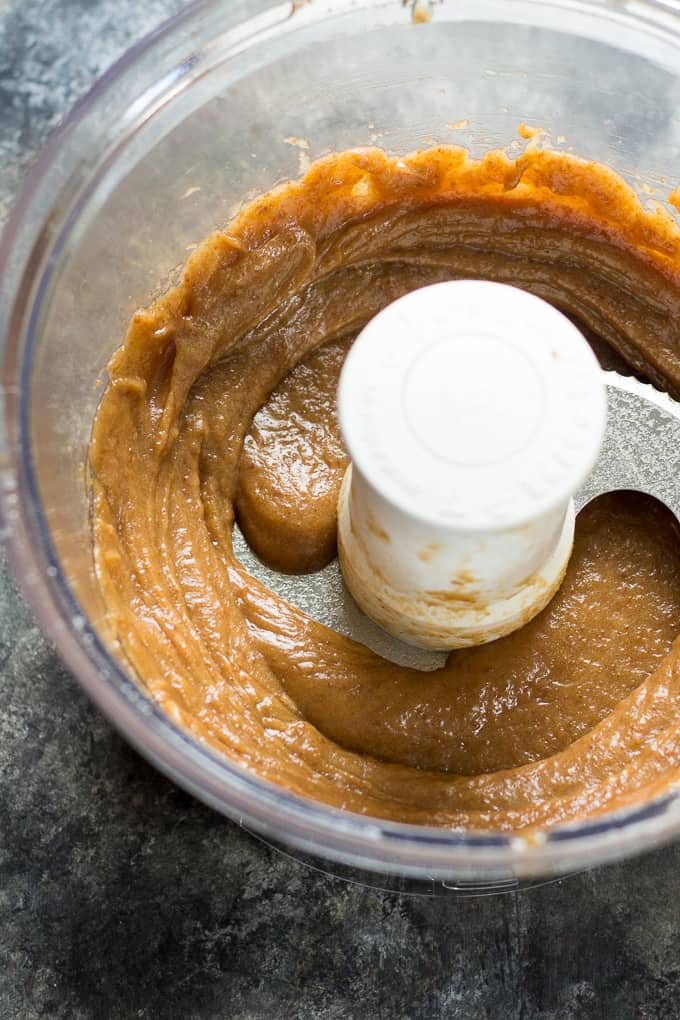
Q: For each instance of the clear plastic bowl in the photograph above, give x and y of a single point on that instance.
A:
(194, 120)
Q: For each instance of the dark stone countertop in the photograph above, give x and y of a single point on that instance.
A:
(121, 896)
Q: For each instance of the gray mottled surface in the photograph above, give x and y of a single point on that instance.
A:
(121, 896)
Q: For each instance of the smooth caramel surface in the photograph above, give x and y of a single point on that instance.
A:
(221, 402)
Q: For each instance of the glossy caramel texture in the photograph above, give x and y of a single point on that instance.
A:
(221, 400)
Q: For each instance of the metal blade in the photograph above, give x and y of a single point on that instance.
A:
(641, 447)
(641, 451)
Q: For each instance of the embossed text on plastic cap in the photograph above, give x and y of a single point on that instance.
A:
(473, 405)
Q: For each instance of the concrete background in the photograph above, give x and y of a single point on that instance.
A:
(121, 896)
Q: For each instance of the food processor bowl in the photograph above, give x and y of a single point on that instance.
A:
(220, 104)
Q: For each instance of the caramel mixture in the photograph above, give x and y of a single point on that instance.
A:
(221, 404)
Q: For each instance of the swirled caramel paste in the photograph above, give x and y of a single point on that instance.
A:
(221, 403)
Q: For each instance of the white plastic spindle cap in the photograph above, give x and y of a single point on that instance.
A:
(472, 411)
